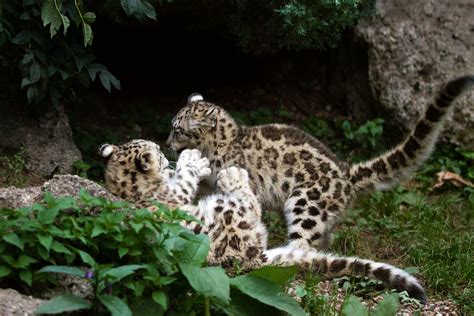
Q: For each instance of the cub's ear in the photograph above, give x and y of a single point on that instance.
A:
(194, 97)
(207, 119)
(106, 150)
(145, 161)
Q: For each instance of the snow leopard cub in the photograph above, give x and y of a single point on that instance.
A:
(293, 171)
(138, 172)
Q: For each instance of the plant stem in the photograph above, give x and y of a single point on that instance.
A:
(207, 310)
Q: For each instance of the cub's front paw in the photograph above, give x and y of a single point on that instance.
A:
(187, 156)
(232, 179)
(192, 159)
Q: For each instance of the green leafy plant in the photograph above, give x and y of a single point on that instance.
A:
(266, 26)
(353, 307)
(81, 168)
(12, 169)
(134, 260)
(368, 135)
(49, 41)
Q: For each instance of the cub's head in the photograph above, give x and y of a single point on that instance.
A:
(133, 167)
(199, 124)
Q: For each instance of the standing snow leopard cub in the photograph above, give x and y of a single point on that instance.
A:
(137, 171)
(292, 170)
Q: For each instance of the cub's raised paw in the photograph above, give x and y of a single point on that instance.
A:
(191, 159)
(188, 155)
(233, 179)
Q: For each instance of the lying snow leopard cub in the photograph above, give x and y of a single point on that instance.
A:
(293, 171)
(137, 171)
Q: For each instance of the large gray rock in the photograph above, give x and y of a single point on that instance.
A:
(45, 136)
(415, 46)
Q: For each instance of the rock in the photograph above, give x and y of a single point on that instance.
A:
(414, 47)
(45, 136)
(14, 303)
(59, 185)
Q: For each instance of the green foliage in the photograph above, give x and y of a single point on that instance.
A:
(266, 26)
(63, 303)
(367, 135)
(12, 169)
(134, 259)
(49, 41)
(434, 233)
(353, 307)
(315, 304)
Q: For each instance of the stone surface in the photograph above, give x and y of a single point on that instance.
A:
(13, 303)
(44, 134)
(415, 46)
(59, 185)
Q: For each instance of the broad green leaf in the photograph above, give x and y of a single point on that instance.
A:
(63, 303)
(388, 306)
(89, 17)
(35, 72)
(48, 215)
(87, 33)
(108, 80)
(147, 307)
(160, 298)
(12, 238)
(66, 23)
(45, 240)
(267, 292)
(242, 304)
(21, 38)
(24, 82)
(211, 282)
(32, 93)
(24, 261)
(86, 258)
(63, 269)
(122, 251)
(139, 9)
(136, 226)
(194, 250)
(353, 307)
(51, 15)
(26, 276)
(277, 275)
(4, 271)
(98, 230)
(59, 247)
(119, 273)
(115, 305)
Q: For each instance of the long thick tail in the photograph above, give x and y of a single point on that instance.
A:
(400, 162)
(334, 266)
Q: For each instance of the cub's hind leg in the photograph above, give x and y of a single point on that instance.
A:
(311, 212)
(242, 234)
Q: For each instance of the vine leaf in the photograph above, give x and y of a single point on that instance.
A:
(51, 15)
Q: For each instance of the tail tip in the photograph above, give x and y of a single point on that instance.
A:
(458, 85)
(418, 293)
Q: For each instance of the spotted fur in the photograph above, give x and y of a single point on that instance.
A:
(137, 171)
(292, 170)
